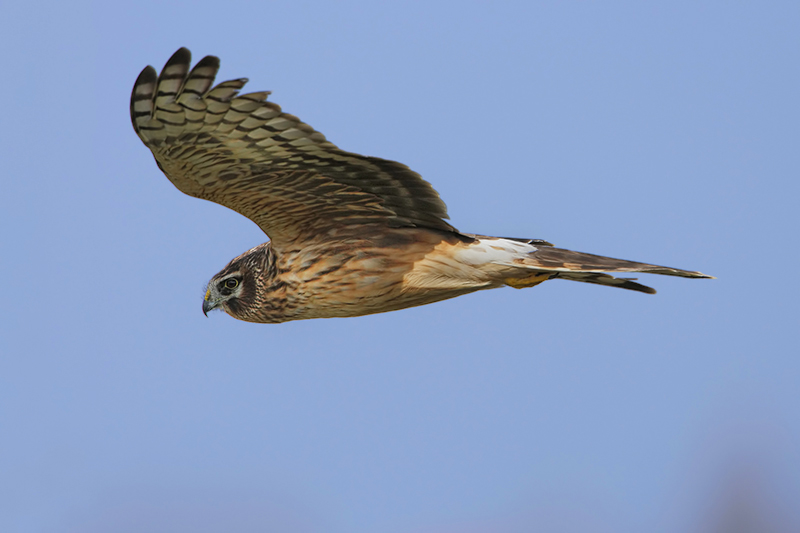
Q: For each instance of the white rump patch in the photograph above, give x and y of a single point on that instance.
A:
(494, 250)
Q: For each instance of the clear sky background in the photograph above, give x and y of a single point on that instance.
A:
(665, 132)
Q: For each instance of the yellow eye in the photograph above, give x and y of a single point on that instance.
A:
(231, 283)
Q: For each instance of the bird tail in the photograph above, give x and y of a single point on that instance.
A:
(541, 261)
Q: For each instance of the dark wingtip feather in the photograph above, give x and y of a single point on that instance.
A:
(630, 285)
(181, 56)
(142, 95)
(208, 61)
(147, 75)
(599, 278)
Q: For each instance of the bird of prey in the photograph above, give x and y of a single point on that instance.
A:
(350, 235)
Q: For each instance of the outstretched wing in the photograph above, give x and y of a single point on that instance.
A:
(243, 152)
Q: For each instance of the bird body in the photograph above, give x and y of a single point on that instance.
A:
(358, 275)
(395, 268)
(350, 235)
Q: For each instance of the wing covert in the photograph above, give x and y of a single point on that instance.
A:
(243, 152)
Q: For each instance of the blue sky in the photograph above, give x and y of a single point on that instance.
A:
(664, 132)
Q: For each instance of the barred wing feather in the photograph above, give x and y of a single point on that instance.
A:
(243, 152)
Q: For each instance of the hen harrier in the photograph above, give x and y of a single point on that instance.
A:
(350, 235)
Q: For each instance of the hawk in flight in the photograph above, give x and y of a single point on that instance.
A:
(350, 235)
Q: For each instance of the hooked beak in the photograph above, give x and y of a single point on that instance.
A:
(208, 305)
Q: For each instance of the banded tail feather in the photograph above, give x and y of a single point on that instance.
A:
(591, 268)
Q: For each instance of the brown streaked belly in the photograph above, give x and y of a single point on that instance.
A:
(398, 268)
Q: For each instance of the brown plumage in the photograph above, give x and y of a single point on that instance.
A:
(350, 235)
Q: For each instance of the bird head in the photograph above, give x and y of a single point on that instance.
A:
(224, 290)
(236, 288)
